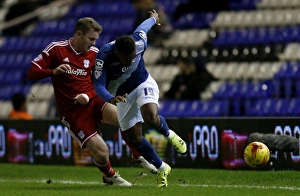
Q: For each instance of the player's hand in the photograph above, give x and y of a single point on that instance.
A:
(118, 99)
(154, 14)
(81, 99)
(61, 69)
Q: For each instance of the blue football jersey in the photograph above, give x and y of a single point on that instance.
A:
(111, 77)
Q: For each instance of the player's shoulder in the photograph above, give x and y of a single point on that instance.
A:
(106, 50)
(140, 34)
(56, 45)
(94, 49)
(108, 46)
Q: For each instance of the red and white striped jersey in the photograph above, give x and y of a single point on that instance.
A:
(73, 82)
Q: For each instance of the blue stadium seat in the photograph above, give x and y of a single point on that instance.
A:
(5, 92)
(281, 107)
(243, 4)
(295, 70)
(165, 107)
(285, 71)
(194, 109)
(293, 109)
(287, 83)
(222, 91)
(3, 59)
(194, 20)
(183, 108)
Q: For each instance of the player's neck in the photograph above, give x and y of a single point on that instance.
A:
(74, 45)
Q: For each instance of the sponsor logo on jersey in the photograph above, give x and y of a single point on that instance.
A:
(99, 64)
(77, 72)
(115, 64)
(39, 57)
(86, 63)
(124, 69)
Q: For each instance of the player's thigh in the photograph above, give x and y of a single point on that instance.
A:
(148, 92)
(109, 115)
(149, 111)
(82, 125)
(129, 114)
(97, 146)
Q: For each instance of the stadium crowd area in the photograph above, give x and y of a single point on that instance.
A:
(250, 46)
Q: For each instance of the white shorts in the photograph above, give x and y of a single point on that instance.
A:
(129, 113)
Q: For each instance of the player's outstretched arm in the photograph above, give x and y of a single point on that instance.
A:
(148, 23)
(154, 14)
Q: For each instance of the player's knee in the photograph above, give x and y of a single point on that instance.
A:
(151, 119)
(135, 141)
(101, 156)
(101, 160)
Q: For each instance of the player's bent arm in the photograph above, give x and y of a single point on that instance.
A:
(61, 69)
(91, 94)
(99, 86)
(81, 99)
(37, 73)
(102, 92)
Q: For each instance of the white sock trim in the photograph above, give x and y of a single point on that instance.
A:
(162, 167)
(171, 133)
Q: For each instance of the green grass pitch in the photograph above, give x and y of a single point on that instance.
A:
(21, 179)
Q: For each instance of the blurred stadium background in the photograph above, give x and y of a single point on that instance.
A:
(250, 46)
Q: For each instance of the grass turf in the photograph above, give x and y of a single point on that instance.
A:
(21, 179)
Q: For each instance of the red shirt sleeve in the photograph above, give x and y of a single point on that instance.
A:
(40, 67)
(36, 73)
(92, 94)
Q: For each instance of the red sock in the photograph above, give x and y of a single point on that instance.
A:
(135, 154)
(106, 169)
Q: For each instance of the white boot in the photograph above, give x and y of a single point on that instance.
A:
(145, 164)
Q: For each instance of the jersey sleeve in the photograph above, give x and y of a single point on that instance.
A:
(141, 32)
(145, 26)
(99, 77)
(40, 66)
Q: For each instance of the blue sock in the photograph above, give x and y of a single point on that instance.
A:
(147, 151)
(164, 128)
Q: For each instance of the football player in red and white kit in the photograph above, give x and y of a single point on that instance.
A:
(69, 63)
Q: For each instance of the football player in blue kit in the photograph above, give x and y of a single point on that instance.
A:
(120, 77)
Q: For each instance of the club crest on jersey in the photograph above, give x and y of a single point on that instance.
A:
(39, 57)
(99, 64)
(81, 134)
(97, 73)
(86, 63)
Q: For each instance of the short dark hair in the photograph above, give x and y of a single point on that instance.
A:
(86, 24)
(18, 100)
(125, 44)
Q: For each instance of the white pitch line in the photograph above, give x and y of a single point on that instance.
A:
(191, 185)
(245, 186)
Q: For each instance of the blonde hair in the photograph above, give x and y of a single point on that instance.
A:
(86, 24)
